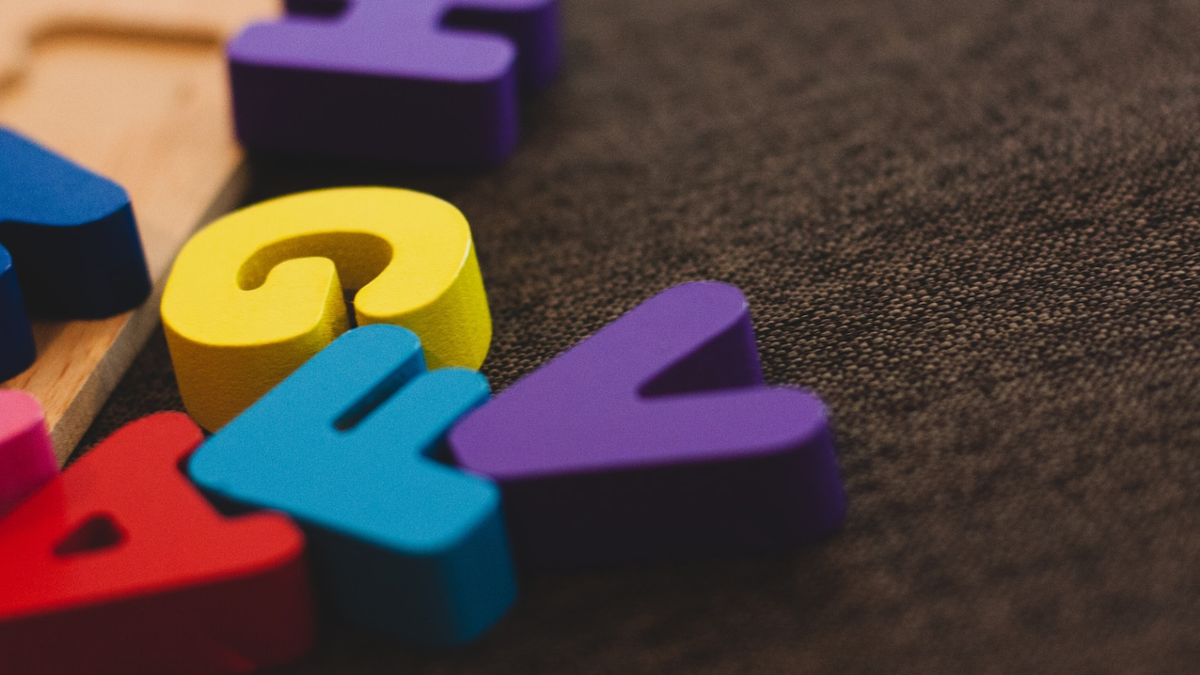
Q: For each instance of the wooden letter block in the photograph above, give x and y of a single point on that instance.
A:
(656, 439)
(26, 456)
(406, 545)
(259, 292)
(17, 348)
(73, 243)
(419, 81)
(120, 566)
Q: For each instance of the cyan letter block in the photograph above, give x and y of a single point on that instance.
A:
(405, 545)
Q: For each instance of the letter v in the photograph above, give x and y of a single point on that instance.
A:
(655, 439)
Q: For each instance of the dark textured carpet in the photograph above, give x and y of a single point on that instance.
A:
(971, 226)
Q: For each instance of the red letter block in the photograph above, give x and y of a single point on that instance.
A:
(119, 565)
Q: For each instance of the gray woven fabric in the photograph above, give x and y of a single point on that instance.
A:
(971, 226)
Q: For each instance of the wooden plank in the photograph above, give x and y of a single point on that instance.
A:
(137, 91)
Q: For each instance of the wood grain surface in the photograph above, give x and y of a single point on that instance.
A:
(135, 90)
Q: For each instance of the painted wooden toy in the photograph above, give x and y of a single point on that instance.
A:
(431, 82)
(17, 347)
(26, 458)
(120, 566)
(259, 292)
(73, 243)
(656, 439)
(406, 545)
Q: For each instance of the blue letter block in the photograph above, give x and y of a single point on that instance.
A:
(405, 545)
(71, 233)
(69, 247)
(17, 349)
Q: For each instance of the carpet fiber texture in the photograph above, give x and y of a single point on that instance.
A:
(972, 227)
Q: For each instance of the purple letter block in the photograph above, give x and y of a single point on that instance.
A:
(412, 81)
(656, 439)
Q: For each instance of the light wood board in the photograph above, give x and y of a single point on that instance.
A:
(135, 90)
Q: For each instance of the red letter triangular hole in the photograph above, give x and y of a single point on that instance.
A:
(120, 565)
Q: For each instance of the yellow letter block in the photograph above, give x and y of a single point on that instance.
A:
(258, 292)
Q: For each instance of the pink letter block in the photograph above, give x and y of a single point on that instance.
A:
(26, 457)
